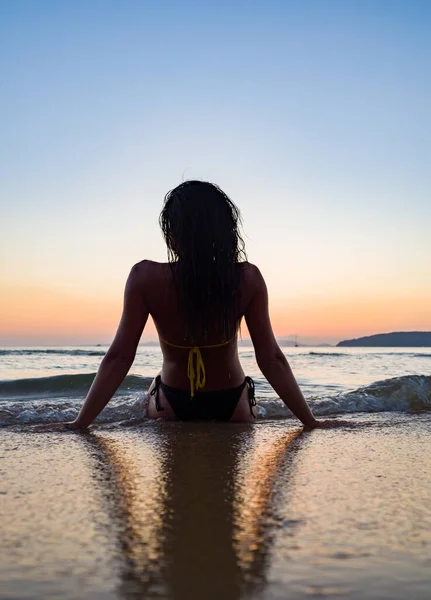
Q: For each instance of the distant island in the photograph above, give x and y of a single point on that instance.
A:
(409, 339)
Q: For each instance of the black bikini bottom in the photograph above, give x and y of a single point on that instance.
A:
(207, 406)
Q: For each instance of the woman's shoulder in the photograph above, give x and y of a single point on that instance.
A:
(252, 282)
(251, 272)
(147, 264)
(146, 270)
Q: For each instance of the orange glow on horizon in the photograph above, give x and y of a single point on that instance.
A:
(29, 313)
(347, 317)
(35, 311)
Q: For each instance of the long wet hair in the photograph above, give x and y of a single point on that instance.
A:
(200, 225)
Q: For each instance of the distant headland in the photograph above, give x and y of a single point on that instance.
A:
(409, 339)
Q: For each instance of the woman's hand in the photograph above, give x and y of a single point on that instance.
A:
(62, 427)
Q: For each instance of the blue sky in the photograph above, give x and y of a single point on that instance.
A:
(313, 116)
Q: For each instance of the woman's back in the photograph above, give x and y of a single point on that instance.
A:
(222, 367)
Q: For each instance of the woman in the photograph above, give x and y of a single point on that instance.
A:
(197, 301)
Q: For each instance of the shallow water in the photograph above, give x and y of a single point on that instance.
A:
(48, 384)
(183, 510)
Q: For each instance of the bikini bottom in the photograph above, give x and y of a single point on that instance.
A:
(204, 406)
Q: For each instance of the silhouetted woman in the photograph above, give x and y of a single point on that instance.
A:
(197, 301)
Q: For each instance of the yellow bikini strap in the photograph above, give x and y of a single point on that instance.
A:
(197, 377)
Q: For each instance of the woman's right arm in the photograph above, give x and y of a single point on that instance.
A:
(270, 359)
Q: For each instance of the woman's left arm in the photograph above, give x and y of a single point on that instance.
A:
(121, 354)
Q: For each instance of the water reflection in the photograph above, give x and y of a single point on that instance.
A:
(132, 486)
(193, 508)
(264, 480)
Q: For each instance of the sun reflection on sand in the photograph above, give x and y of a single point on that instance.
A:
(133, 486)
(193, 507)
(258, 493)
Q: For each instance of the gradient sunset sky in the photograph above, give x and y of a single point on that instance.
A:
(314, 116)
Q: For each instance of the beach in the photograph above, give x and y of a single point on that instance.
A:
(141, 509)
(184, 510)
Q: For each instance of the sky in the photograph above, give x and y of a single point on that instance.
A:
(313, 116)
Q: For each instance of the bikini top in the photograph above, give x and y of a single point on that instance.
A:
(196, 377)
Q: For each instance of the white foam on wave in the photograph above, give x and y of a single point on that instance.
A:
(48, 411)
(399, 394)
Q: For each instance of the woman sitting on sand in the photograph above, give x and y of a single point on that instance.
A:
(197, 301)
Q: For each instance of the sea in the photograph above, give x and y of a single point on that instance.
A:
(138, 508)
(48, 384)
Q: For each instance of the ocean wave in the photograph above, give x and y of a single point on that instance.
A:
(51, 411)
(327, 354)
(399, 394)
(65, 352)
(62, 386)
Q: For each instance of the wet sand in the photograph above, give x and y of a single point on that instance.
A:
(218, 511)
